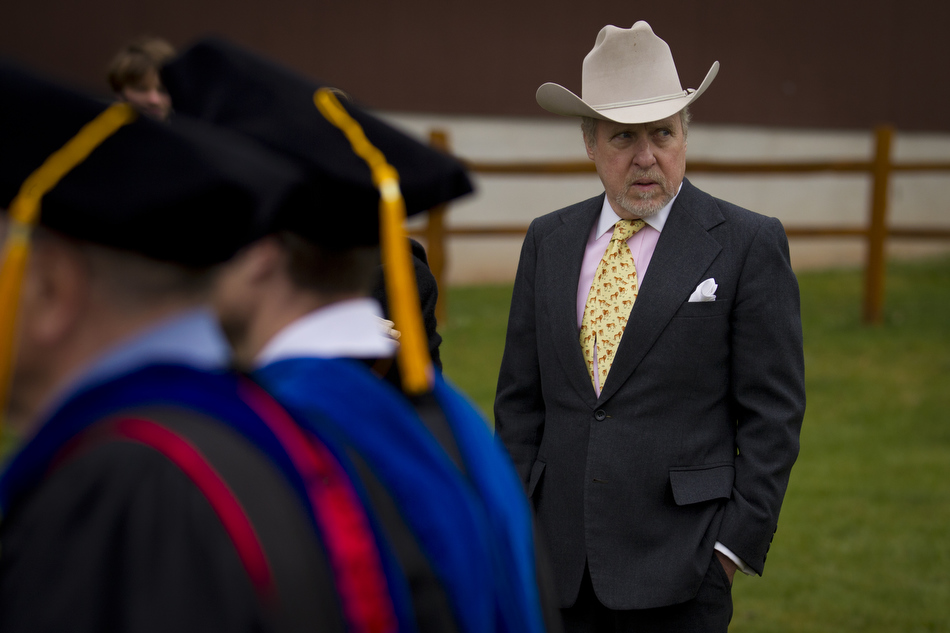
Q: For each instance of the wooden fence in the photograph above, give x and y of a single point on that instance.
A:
(875, 233)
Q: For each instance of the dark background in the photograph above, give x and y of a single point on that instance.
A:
(809, 63)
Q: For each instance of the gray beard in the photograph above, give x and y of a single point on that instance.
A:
(643, 207)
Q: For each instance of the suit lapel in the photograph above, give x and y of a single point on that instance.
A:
(684, 251)
(566, 247)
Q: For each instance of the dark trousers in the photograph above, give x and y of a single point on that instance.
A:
(709, 612)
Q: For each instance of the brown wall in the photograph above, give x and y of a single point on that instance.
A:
(814, 63)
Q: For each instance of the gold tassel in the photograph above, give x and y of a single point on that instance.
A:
(16, 250)
(24, 213)
(415, 363)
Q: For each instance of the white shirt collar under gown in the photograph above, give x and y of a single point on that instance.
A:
(348, 329)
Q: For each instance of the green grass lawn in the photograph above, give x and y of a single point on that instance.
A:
(864, 538)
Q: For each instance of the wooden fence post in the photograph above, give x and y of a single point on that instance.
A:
(877, 230)
(435, 234)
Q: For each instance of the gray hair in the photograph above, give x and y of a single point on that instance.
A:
(685, 117)
(589, 130)
(589, 126)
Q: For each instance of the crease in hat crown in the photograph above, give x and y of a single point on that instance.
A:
(628, 77)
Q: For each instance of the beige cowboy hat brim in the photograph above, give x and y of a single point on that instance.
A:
(559, 100)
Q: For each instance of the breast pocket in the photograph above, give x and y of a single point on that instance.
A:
(694, 309)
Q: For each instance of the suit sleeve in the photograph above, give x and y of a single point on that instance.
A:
(519, 402)
(428, 298)
(767, 391)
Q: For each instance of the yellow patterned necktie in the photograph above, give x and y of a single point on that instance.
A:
(610, 300)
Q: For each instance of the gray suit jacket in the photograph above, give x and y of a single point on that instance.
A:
(697, 427)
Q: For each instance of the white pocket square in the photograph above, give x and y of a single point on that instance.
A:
(705, 291)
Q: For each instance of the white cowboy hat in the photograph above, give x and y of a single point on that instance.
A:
(628, 77)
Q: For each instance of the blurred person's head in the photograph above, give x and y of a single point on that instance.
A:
(78, 299)
(134, 76)
(324, 240)
(280, 278)
(110, 222)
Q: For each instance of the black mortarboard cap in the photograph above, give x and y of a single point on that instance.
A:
(219, 82)
(184, 192)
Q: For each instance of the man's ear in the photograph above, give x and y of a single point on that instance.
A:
(590, 138)
(248, 278)
(55, 292)
(260, 261)
(589, 146)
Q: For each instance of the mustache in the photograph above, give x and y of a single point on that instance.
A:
(655, 176)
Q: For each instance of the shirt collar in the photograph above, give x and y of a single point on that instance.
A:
(190, 338)
(347, 329)
(608, 217)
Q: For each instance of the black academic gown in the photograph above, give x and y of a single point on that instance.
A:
(117, 538)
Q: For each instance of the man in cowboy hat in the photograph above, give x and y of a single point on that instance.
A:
(656, 458)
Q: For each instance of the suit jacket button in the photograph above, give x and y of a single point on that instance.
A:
(600, 415)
